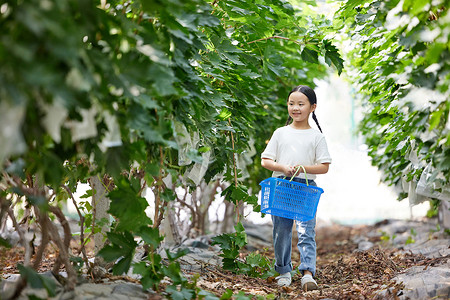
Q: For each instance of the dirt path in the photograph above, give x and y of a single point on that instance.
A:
(343, 271)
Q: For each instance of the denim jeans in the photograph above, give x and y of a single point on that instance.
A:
(282, 241)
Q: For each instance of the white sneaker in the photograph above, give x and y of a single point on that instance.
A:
(284, 279)
(308, 283)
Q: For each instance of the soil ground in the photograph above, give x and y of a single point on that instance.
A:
(342, 272)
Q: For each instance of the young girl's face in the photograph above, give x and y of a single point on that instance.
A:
(299, 107)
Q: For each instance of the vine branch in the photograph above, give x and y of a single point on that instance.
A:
(159, 211)
(80, 215)
(274, 37)
(235, 171)
(22, 237)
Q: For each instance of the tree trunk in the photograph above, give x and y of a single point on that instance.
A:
(444, 214)
(100, 206)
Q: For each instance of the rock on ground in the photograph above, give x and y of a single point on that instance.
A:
(421, 282)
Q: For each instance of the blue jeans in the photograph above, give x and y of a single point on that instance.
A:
(282, 241)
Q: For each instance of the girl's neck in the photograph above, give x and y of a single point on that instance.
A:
(300, 125)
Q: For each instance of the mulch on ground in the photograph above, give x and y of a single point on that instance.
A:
(342, 271)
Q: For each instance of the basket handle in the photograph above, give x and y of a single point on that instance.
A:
(304, 171)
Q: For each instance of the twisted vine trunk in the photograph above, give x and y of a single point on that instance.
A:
(50, 233)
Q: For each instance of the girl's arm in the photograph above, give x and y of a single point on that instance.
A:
(274, 166)
(315, 169)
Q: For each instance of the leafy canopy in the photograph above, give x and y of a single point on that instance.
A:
(400, 62)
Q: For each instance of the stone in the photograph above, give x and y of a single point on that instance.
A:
(39, 293)
(359, 238)
(443, 292)
(140, 254)
(197, 258)
(199, 244)
(397, 227)
(94, 289)
(98, 272)
(431, 248)
(59, 277)
(251, 248)
(8, 286)
(11, 236)
(374, 234)
(400, 240)
(129, 289)
(386, 293)
(10, 277)
(67, 295)
(7, 289)
(365, 245)
(259, 233)
(421, 283)
(123, 297)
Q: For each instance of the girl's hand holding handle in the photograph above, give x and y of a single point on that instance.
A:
(288, 171)
(298, 169)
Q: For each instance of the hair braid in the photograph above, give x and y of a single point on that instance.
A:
(317, 122)
(289, 119)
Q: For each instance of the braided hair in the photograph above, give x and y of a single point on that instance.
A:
(308, 92)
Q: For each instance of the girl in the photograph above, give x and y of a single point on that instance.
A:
(291, 146)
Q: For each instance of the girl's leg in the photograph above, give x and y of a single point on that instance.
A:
(282, 243)
(307, 245)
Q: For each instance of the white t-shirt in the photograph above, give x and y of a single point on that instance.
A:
(290, 146)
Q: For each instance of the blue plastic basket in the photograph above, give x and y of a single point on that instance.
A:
(289, 199)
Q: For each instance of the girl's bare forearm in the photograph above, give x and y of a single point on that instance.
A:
(272, 165)
(290, 170)
(315, 169)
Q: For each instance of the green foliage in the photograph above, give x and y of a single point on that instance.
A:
(122, 249)
(4, 243)
(87, 211)
(142, 67)
(433, 211)
(227, 295)
(77, 263)
(189, 290)
(410, 239)
(37, 281)
(386, 238)
(236, 194)
(127, 205)
(255, 264)
(258, 266)
(400, 61)
(179, 294)
(98, 87)
(231, 244)
(122, 245)
(241, 296)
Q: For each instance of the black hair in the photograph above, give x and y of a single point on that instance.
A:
(311, 95)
